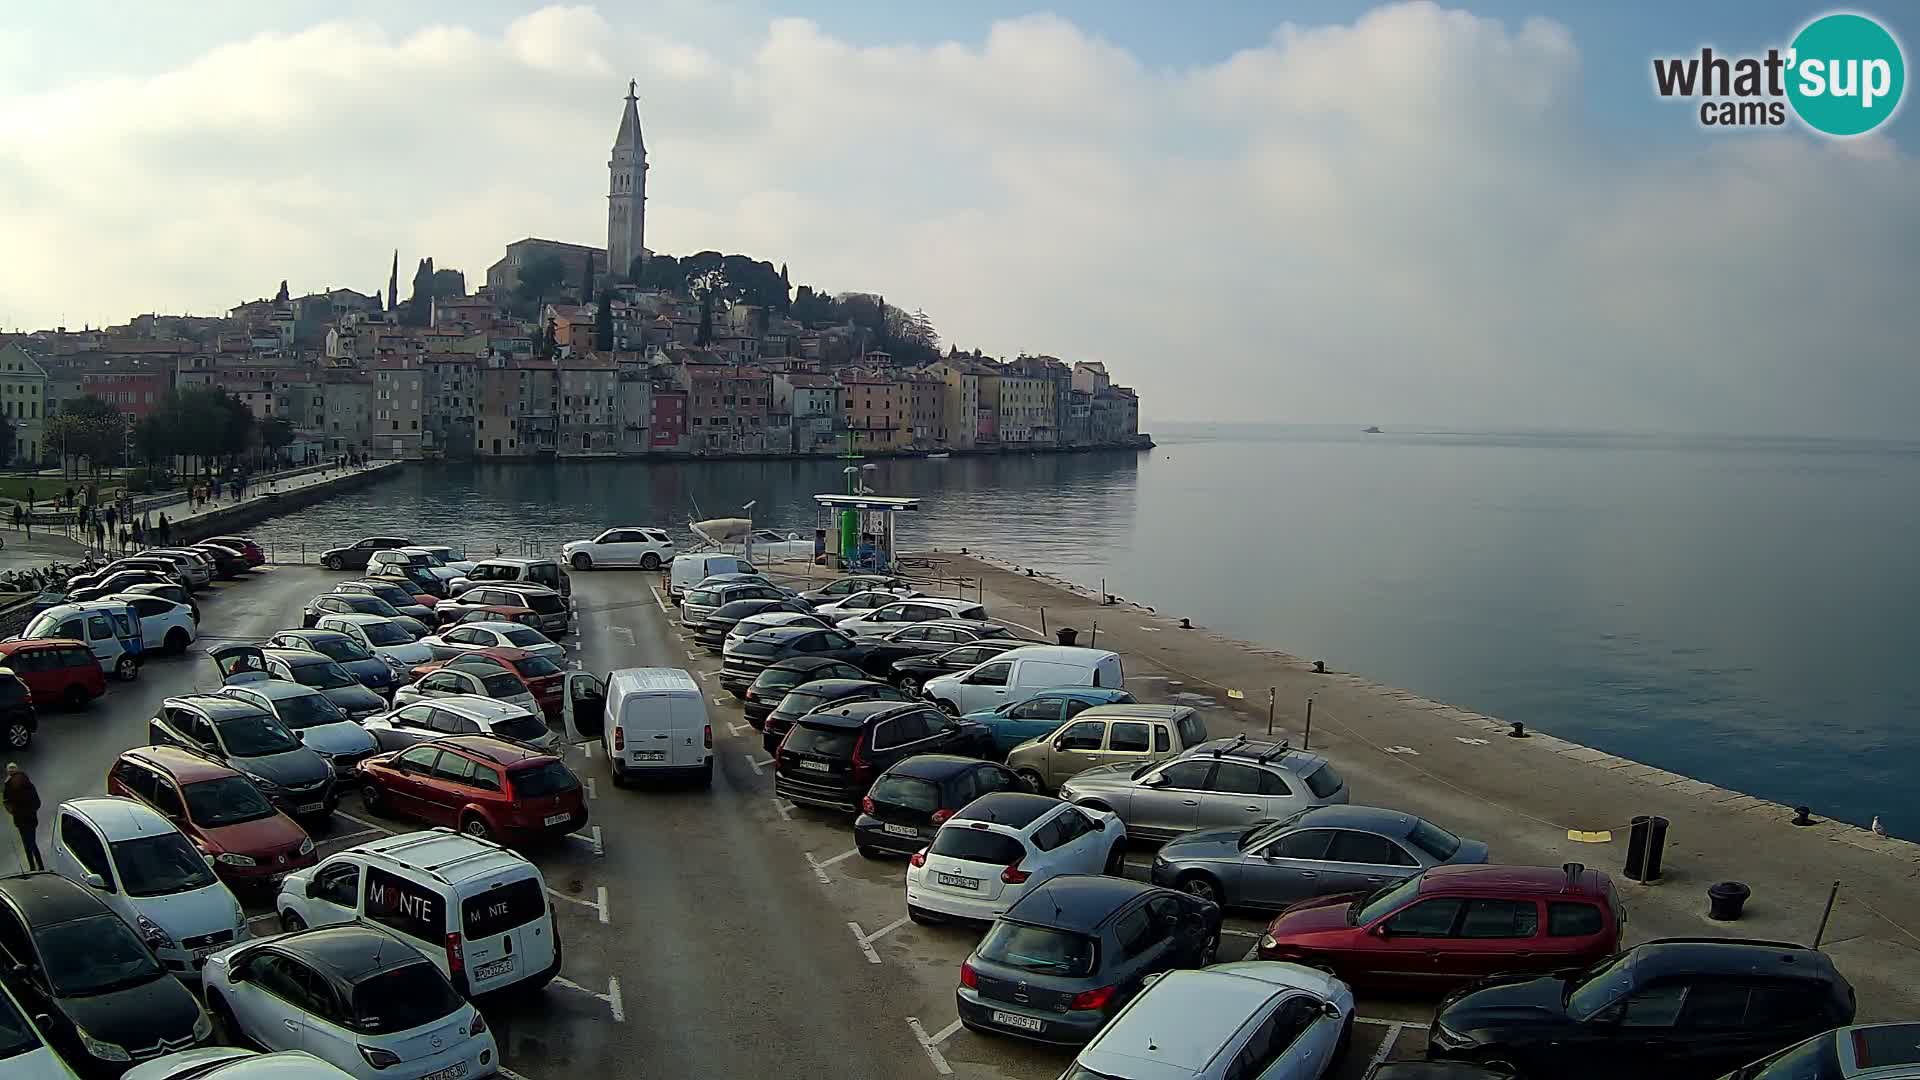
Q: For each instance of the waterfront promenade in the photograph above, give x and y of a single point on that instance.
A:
(1523, 796)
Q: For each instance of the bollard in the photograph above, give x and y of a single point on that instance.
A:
(1802, 815)
(1319, 667)
(1726, 899)
(1067, 635)
(1646, 841)
(1519, 731)
(1186, 624)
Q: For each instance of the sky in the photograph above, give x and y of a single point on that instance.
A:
(1400, 214)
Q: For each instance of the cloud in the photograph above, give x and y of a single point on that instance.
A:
(1402, 219)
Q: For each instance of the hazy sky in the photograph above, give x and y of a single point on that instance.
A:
(1398, 214)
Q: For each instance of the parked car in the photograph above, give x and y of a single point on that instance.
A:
(820, 694)
(910, 673)
(689, 569)
(1225, 782)
(358, 604)
(485, 787)
(58, 671)
(354, 996)
(1245, 1021)
(1453, 924)
(246, 545)
(1001, 847)
(555, 616)
(542, 676)
(25, 1053)
(839, 588)
(147, 872)
(1319, 851)
(165, 626)
(833, 755)
(713, 630)
(446, 555)
(121, 581)
(702, 601)
(1064, 960)
(234, 1063)
(426, 594)
(250, 842)
(769, 688)
(313, 718)
(372, 671)
(1687, 1008)
(165, 591)
(1018, 674)
(883, 620)
(108, 627)
(192, 568)
(385, 637)
(498, 684)
(163, 568)
(355, 555)
(1042, 714)
(507, 570)
(1121, 736)
(936, 637)
(18, 721)
(454, 640)
(479, 912)
(650, 721)
(248, 738)
(415, 565)
(1862, 1052)
(767, 620)
(855, 603)
(461, 616)
(404, 601)
(916, 795)
(228, 563)
(742, 664)
(646, 548)
(424, 721)
(317, 670)
(107, 1001)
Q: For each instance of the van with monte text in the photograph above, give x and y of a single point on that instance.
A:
(651, 721)
(479, 911)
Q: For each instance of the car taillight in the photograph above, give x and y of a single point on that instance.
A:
(456, 960)
(968, 979)
(1013, 875)
(709, 736)
(919, 857)
(866, 804)
(940, 816)
(1092, 999)
(479, 1025)
(619, 739)
(861, 766)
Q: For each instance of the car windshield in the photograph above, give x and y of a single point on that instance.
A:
(94, 955)
(1260, 834)
(545, 778)
(775, 678)
(160, 865)
(340, 647)
(256, 736)
(1602, 985)
(702, 597)
(403, 998)
(229, 800)
(1040, 949)
(327, 676)
(1383, 901)
(1816, 1059)
(392, 595)
(502, 685)
(307, 710)
(524, 637)
(537, 667)
(387, 634)
(1434, 840)
(525, 728)
(800, 703)
(908, 791)
(16, 1036)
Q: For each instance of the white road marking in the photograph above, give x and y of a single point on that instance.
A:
(693, 656)
(364, 823)
(932, 1046)
(587, 748)
(706, 674)
(1150, 629)
(1414, 1024)
(600, 894)
(353, 836)
(594, 841)
(1401, 750)
(658, 599)
(621, 632)
(1469, 742)
(785, 808)
(819, 870)
(598, 903)
(722, 701)
(1242, 933)
(613, 1000)
(860, 939)
(735, 729)
(758, 763)
(509, 1073)
(271, 915)
(847, 854)
(591, 794)
(1386, 1046)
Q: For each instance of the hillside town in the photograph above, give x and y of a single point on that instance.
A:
(573, 351)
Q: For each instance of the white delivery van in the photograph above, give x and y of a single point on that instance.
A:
(650, 721)
(691, 569)
(1018, 674)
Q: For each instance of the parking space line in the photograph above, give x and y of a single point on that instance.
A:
(600, 895)
(860, 939)
(691, 655)
(758, 763)
(509, 1073)
(658, 599)
(784, 807)
(364, 823)
(593, 841)
(1414, 1024)
(1386, 1046)
(736, 729)
(1242, 933)
(352, 836)
(613, 1000)
(847, 854)
(932, 1046)
(591, 794)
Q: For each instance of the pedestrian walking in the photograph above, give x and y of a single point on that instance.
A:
(113, 518)
(124, 538)
(100, 535)
(139, 535)
(166, 530)
(23, 804)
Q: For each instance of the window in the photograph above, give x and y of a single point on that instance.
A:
(1137, 932)
(1782, 1006)
(1362, 847)
(420, 759)
(1715, 1006)
(1323, 782)
(1309, 844)
(1036, 709)
(1568, 919)
(1186, 775)
(1500, 919)
(990, 675)
(1235, 779)
(1083, 735)
(79, 838)
(403, 906)
(1127, 738)
(1428, 918)
(1193, 731)
(1161, 742)
(1657, 1006)
(992, 779)
(337, 884)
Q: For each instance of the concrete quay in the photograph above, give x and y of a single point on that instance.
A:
(1521, 795)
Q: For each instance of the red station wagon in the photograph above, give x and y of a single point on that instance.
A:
(220, 810)
(56, 670)
(486, 787)
(1454, 924)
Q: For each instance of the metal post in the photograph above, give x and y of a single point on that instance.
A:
(1306, 738)
(1270, 699)
(1832, 895)
(1096, 634)
(1043, 622)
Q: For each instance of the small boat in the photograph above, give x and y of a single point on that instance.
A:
(721, 531)
(1372, 431)
(941, 455)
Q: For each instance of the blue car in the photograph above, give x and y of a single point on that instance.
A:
(1016, 722)
(374, 672)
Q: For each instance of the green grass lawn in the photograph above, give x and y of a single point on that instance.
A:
(44, 487)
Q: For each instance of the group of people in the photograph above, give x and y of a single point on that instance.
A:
(131, 532)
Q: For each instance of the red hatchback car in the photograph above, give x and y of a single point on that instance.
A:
(56, 671)
(541, 675)
(1454, 924)
(486, 787)
(247, 546)
(220, 810)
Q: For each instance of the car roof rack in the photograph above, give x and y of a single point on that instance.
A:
(1280, 749)
(1238, 741)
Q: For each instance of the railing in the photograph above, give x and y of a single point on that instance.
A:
(308, 552)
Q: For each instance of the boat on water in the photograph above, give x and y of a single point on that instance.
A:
(721, 531)
(1371, 431)
(939, 456)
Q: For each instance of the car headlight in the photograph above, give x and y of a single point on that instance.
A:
(203, 1027)
(155, 935)
(105, 1051)
(262, 783)
(306, 846)
(1448, 1039)
(1267, 942)
(230, 859)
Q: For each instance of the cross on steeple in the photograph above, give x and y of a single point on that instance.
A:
(631, 85)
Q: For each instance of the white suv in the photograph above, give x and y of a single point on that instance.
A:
(646, 548)
(479, 911)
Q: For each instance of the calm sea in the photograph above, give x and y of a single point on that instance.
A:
(1739, 610)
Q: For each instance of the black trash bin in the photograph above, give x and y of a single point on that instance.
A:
(1726, 900)
(1646, 842)
(1067, 635)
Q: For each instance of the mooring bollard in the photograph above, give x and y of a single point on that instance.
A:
(1067, 635)
(1646, 843)
(1519, 731)
(1802, 815)
(1319, 667)
(1726, 900)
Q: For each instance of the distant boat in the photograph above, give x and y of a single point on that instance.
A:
(939, 456)
(1373, 431)
(721, 531)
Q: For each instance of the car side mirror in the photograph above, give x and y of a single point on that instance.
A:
(300, 734)
(1328, 1008)
(20, 971)
(1060, 743)
(42, 1020)
(306, 889)
(1153, 781)
(97, 882)
(1381, 931)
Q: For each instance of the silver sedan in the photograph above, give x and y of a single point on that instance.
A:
(1321, 851)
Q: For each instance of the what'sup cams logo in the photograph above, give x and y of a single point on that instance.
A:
(1842, 76)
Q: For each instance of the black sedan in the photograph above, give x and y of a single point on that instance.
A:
(876, 655)
(1067, 957)
(712, 631)
(105, 1001)
(767, 689)
(819, 694)
(911, 673)
(907, 805)
(749, 658)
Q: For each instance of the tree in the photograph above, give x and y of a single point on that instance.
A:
(89, 428)
(420, 304)
(586, 282)
(538, 279)
(707, 286)
(276, 433)
(448, 283)
(603, 323)
(786, 292)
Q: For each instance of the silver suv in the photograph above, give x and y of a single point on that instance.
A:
(1237, 781)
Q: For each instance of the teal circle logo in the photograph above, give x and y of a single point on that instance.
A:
(1846, 74)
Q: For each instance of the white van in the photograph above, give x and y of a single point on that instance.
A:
(650, 721)
(479, 911)
(1018, 674)
(689, 570)
(109, 628)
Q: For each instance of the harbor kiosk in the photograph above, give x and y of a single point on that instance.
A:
(855, 532)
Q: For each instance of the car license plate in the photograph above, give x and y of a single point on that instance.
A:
(201, 954)
(312, 807)
(900, 830)
(494, 970)
(816, 766)
(649, 755)
(1015, 1020)
(958, 882)
(556, 819)
(451, 1072)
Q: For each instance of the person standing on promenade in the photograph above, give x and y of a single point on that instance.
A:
(23, 805)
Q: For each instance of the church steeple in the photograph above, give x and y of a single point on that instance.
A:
(627, 192)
